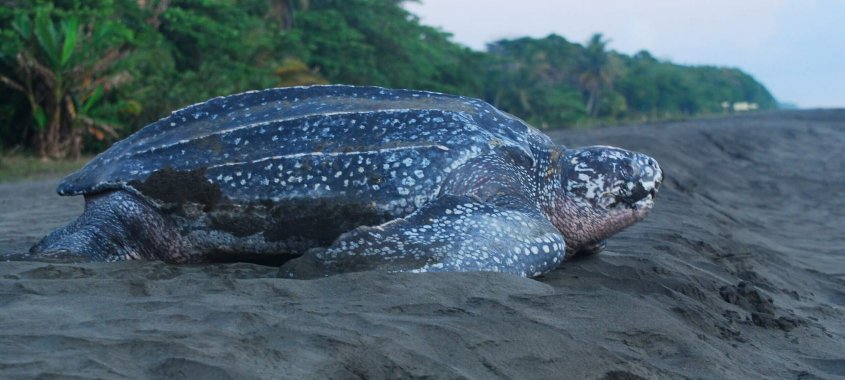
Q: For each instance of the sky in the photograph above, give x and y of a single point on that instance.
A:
(796, 48)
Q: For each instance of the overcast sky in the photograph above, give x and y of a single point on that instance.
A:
(796, 48)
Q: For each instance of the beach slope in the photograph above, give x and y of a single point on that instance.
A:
(739, 272)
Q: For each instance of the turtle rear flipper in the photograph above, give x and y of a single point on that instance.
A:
(452, 233)
(116, 225)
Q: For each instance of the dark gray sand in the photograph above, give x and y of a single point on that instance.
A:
(738, 273)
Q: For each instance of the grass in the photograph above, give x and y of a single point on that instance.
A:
(18, 167)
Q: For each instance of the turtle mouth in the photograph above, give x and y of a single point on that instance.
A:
(641, 207)
(637, 207)
(645, 200)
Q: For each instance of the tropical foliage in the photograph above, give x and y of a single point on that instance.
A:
(59, 68)
(77, 74)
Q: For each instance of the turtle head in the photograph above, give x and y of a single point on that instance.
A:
(604, 190)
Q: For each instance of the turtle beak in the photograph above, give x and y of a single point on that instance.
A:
(657, 177)
(649, 179)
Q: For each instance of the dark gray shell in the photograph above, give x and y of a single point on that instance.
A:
(391, 148)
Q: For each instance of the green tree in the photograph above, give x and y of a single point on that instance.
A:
(594, 71)
(62, 69)
(336, 49)
(283, 11)
(378, 42)
(202, 49)
(294, 72)
(532, 78)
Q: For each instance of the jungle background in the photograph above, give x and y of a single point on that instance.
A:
(77, 75)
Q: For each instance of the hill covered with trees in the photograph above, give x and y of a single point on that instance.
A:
(79, 74)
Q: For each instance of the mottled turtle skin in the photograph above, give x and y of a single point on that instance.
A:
(343, 178)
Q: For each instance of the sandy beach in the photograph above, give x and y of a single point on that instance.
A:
(738, 273)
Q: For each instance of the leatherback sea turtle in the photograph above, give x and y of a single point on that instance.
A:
(350, 179)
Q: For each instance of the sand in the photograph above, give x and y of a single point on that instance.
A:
(739, 272)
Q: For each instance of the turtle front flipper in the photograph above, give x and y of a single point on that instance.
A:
(586, 250)
(454, 233)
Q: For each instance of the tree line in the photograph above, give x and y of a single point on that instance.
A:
(78, 74)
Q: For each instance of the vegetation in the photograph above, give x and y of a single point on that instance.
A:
(59, 68)
(78, 74)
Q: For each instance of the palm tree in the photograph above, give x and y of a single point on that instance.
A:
(595, 71)
(63, 75)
